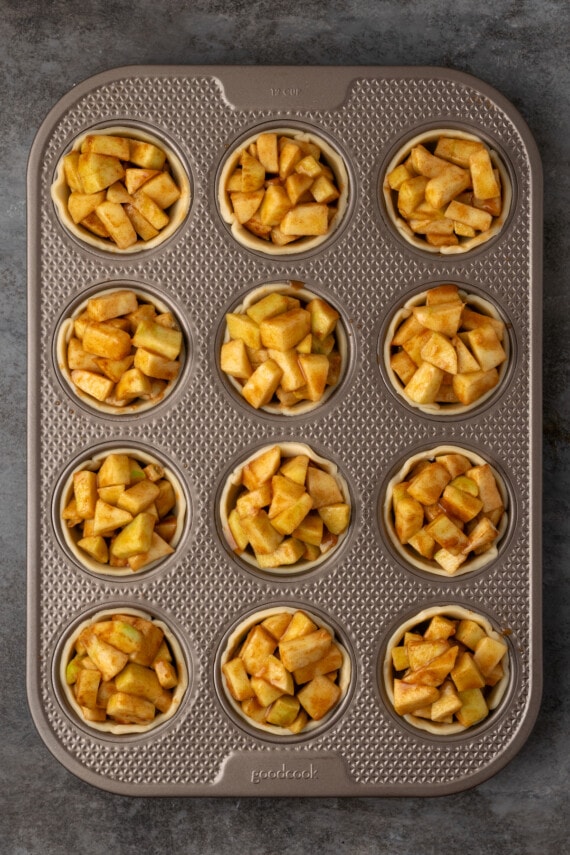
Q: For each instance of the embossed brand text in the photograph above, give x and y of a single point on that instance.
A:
(284, 773)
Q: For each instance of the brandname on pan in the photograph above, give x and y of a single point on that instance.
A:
(284, 773)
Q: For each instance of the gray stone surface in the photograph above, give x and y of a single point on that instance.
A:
(519, 47)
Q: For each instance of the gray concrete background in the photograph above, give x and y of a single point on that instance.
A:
(521, 48)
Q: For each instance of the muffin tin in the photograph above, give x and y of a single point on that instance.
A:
(366, 590)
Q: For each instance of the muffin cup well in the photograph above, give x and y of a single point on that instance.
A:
(304, 294)
(110, 727)
(233, 641)
(140, 405)
(407, 553)
(304, 244)
(70, 536)
(457, 612)
(402, 228)
(178, 211)
(230, 491)
(440, 409)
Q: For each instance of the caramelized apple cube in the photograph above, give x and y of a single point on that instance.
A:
(268, 152)
(239, 535)
(473, 707)
(237, 679)
(245, 328)
(162, 189)
(409, 697)
(276, 674)
(261, 534)
(421, 652)
(449, 561)
(246, 203)
(265, 693)
(284, 494)
(289, 519)
(460, 504)
(427, 486)
(408, 518)
(466, 673)
(440, 627)
(295, 468)
(306, 219)
(130, 709)
(439, 351)
(485, 185)
(260, 387)
(483, 535)
(299, 625)
(285, 331)
(297, 186)
(336, 517)
(135, 537)
(108, 660)
(411, 194)
(159, 548)
(423, 543)
(274, 206)
(400, 659)
(403, 365)
(434, 672)
(289, 156)
(304, 650)
(486, 347)
(258, 645)
(319, 696)
(269, 306)
(138, 497)
(288, 361)
(277, 624)
(82, 205)
(283, 711)
(115, 219)
(469, 216)
(86, 688)
(488, 653)
(315, 368)
(250, 502)
(442, 188)
(330, 662)
(289, 551)
(133, 384)
(444, 318)
(447, 704)
(261, 468)
(425, 383)
(470, 387)
(322, 487)
(446, 533)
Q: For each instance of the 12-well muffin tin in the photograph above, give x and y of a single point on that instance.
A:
(202, 431)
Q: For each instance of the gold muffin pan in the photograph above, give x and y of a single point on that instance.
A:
(203, 431)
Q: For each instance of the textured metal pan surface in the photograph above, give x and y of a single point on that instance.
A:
(203, 431)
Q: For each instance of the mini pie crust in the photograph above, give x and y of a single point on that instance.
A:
(465, 244)
(177, 212)
(238, 635)
(482, 306)
(71, 536)
(407, 552)
(302, 244)
(496, 693)
(110, 726)
(65, 333)
(305, 296)
(233, 485)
